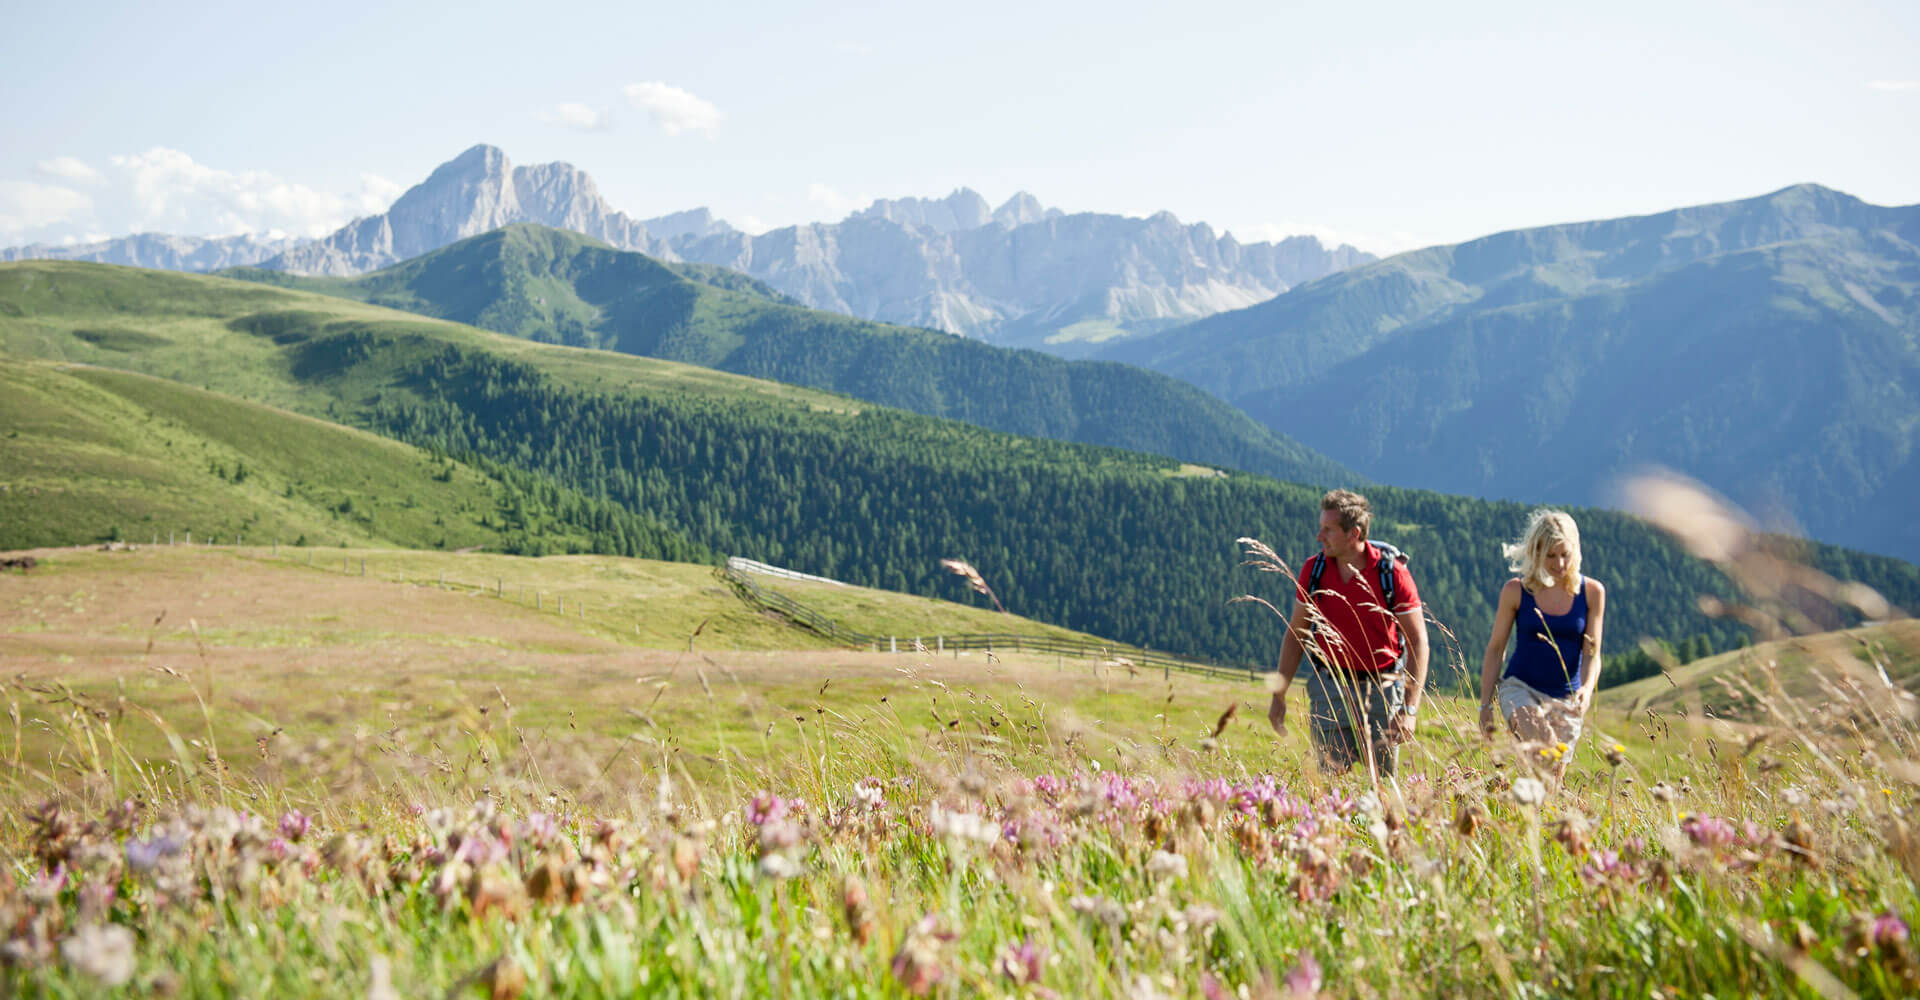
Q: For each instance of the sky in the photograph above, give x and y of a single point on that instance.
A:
(1385, 125)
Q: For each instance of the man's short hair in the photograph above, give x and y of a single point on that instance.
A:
(1352, 507)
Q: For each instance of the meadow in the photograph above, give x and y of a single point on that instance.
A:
(326, 784)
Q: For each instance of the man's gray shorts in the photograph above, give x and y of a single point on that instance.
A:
(1341, 704)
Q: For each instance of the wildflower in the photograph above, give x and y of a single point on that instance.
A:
(917, 965)
(1794, 795)
(869, 793)
(1304, 979)
(102, 952)
(1663, 792)
(1708, 831)
(1616, 755)
(1571, 833)
(1100, 908)
(960, 828)
(1529, 791)
(1468, 817)
(858, 910)
(1888, 930)
(1166, 865)
(293, 825)
(1200, 918)
(1023, 963)
(777, 866)
(766, 808)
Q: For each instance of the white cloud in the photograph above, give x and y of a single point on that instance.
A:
(675, 110)
(68, 168)
(165, 190)
(1895, 85)
(575, 116)
(1383, 244)
(752, 225)
(833, 203)
(26, 207)
(169, 192)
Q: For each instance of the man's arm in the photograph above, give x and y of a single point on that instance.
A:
(1291, 649)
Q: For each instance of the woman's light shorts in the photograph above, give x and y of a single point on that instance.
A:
(1538, 717)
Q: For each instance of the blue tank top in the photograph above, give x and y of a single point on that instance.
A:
(1547, 648)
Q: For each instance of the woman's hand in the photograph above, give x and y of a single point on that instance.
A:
(1487, 726)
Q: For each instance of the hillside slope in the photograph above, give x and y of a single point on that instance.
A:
(93, 454)
(1130, 546)
(559, 287)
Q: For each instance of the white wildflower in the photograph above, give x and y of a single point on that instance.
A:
(1165, 864)
(1529, 791)
(961, 828)
(104, 953)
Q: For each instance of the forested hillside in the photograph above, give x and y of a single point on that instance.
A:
(559, 287)
(1132, 546)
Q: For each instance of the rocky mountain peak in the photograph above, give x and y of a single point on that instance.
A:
(958, 212)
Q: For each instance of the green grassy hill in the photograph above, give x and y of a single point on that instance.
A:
(560, 287)
(1796, 676)
(93, 454)
(1113, 543)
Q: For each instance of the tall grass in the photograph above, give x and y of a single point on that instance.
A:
(976, 843)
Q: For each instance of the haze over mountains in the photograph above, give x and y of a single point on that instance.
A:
(1021, 274)
(1769, 346)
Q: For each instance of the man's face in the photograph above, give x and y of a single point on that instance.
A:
(1336, 541)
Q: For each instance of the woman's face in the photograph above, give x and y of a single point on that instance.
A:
(1558, 560)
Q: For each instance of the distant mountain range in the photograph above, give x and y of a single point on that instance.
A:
(1770, 347)
(161, 252)
(1021, 274)
(551, 285)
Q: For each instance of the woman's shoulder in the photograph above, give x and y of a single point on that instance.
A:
(1595, 589)
(1512, 590)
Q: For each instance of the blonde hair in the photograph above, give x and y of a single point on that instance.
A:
(1527, 557)
(1352, 507)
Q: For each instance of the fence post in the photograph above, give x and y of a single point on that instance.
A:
(189, 538)
(500, 589)
(561, 603)
(346, 565)
(939, 643)
(363, 566)
(536, 600)
(276, 548)
(893, 644)
(443, 578)
(169, 536)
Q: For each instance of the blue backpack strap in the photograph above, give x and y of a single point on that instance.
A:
(1313, 575)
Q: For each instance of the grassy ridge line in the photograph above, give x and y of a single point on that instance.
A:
(554, 286)
(93, 453)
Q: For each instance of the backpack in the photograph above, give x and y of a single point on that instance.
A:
(1389, 558)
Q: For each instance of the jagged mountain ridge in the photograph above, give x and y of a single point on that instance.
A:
(1021, 274)
(161, 251)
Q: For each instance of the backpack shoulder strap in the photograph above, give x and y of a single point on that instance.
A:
(1313, 575)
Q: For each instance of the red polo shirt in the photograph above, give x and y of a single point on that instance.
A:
(1366, 637)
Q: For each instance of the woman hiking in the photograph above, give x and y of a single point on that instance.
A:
(1549, 681)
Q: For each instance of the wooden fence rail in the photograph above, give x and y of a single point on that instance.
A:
(825, 625)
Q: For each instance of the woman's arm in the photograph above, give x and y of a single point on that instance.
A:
(1590, 647)
(1497, 647)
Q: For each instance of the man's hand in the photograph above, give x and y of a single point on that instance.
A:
(1400, 728)
(1277, 712)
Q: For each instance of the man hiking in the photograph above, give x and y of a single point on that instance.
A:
(1357, 619)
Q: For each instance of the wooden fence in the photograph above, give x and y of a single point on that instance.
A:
(1079, 649)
